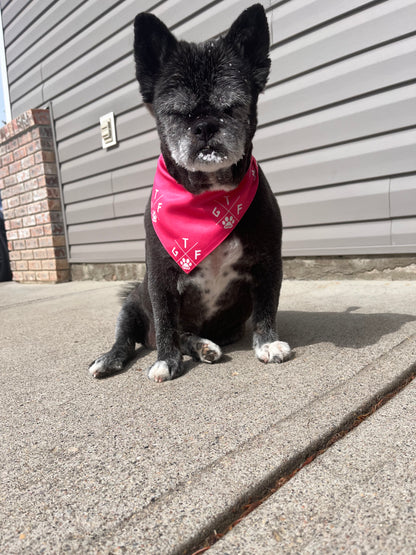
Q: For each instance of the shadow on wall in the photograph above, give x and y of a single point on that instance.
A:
(344, 329)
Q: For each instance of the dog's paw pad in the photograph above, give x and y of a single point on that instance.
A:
(278, 351)
(208, 351)
(159, 372)
(103, 367)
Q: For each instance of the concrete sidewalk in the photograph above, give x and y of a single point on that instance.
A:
(128, 465)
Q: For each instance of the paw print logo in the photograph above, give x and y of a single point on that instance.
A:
(186, 263)
(228, 222)
(154, 216)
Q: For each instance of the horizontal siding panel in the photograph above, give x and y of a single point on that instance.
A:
(139, 175)
(365, 29)
(92, 62)
(129, 251)
(292, 18)
(33, 99)
(121, 100)
(365, 159)
(90, 210)
(109, 80)
(87, 188)
(127, 125)
(213, 21)
(355, 237)
(404, 232)
(16, 19)
(128, 152)
(122, 229)
(382, 67)
(403, 196)
(344, 203)
(131, 202)
(372, 115)
(33, 46)
(33, 77)
(119, 180)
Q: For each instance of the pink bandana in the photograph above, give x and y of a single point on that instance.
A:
(191, 226)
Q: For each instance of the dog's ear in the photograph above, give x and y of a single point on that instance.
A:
(249, 35)
(153, 44)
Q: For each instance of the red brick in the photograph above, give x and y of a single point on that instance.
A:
(28, 161)
(60, 275)
(7, 159)
(24, 233)
(40, 194)
(36, 231)
(13, 202)
(42, 276)
(25, 138)
(35, 265)
(41, 254)
(11, 180)
(48, 181)
(31, 185)
(45, 156)
(28, 276)
(9, 214)
(20, 153)
(18, 245)
(21, 265)
(16, 223)
(31, 243)
(24, 175)
(12, 234)
(21, 211)
(27, 255)
(17, 276)
(15, 255)
(28, 221)
(49, 264)
(4, 172)
(34, 208)
(26, 198)
(15, 167)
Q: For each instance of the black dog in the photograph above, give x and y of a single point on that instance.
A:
(204, 98)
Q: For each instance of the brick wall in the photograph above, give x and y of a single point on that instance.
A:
(31, 200)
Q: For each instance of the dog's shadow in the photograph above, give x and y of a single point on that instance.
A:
(349, 329)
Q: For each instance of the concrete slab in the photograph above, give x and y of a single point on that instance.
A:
(124, 463)
(358, 497)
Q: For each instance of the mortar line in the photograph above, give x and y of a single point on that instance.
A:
(264, 494)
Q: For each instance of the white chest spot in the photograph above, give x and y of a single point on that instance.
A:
(216, 272)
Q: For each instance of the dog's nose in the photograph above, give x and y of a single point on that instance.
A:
(205, 129)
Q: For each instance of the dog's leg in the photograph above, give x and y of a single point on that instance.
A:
(165, 304)
(199, 348)
(131, 329)
(266, 344)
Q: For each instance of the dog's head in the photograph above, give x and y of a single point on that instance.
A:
(204, 96)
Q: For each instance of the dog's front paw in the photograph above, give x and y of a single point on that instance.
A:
(278, 351)
(159, 372)
(208, 351)
(105, 365)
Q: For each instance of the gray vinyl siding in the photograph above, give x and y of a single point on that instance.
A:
(337, 123)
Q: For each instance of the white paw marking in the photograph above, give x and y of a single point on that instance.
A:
(159, 372)
(96, 367)
(278, 351)
(209, 351)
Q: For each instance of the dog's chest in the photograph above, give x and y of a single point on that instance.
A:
(215, 274)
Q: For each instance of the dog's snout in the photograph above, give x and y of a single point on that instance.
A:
(205, 129)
